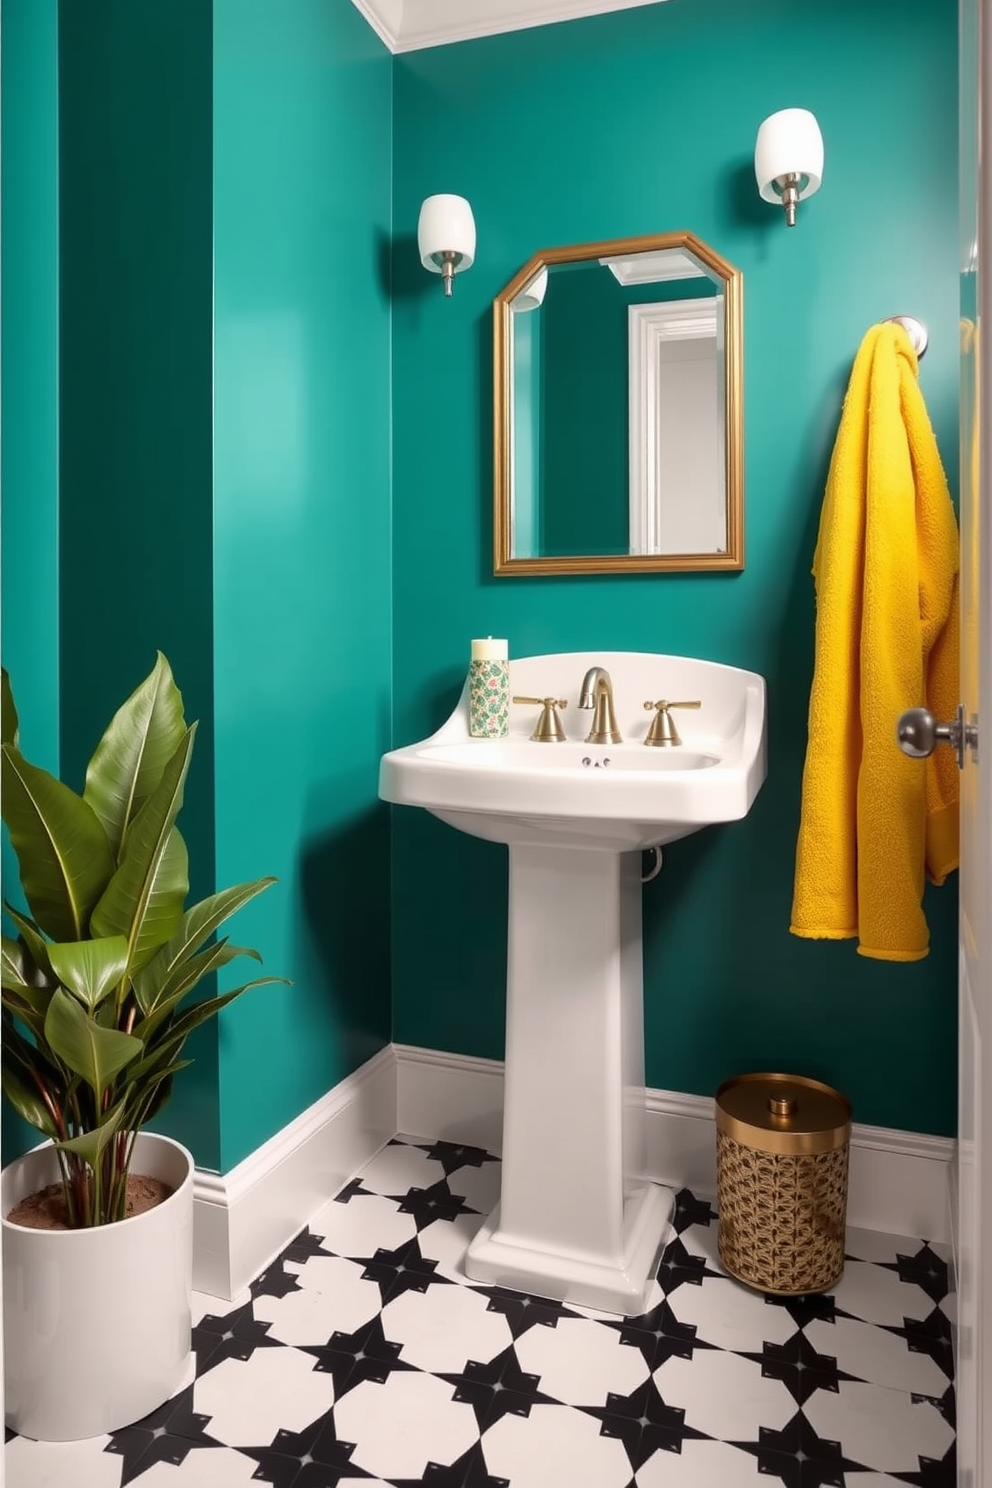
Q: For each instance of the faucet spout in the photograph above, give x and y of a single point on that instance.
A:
(597, 693)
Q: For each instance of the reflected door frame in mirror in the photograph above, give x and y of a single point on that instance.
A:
(527, 288)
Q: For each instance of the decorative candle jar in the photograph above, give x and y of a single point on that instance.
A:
(489, 689)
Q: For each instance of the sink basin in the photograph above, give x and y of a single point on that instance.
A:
(616, 797)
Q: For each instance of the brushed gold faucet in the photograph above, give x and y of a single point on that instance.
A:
(597, 693)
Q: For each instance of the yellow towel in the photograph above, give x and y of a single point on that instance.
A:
(885, 569)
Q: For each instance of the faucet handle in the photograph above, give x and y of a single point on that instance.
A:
(663, 731)
(549, 728)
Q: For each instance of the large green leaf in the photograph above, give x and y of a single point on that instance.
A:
(185, 977)
(144, 899)
(130, 759)
(9, 726)
(158, 978)
(95, 1053)
(25, 1099)
(26, 1069)
(62, 850)
(89, 968)
(173, 1037)
(35, 943)
(89, 1144)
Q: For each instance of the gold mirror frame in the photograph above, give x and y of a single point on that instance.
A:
(731, 560)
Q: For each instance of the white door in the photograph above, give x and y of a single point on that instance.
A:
(974, 1163)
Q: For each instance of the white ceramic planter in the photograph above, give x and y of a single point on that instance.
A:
(97, 1321)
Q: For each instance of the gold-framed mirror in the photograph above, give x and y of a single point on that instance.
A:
(618, 426)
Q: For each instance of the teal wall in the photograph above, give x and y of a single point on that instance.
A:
(302, 569)
(640, 122)
(29, 361)
(196, 288)
(135, 527)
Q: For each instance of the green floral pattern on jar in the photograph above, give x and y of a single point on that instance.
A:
(489, 699)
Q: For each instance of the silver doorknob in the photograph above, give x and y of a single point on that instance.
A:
(919, 733)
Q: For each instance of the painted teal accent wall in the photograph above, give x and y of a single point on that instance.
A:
(135, 528)
(302, 568)
(644, 121)
(29, 388)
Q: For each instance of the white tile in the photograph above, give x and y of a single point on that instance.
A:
(730, 1315)
(205, 1305)
(401, 1425)
(724, 1395)
(398, 1168)
(332, 1297)
(875, 1295)
(249, 1400)
(882, 1429)
(580, 1363)
(479, 1187)
(443, 1328)
(446, 1241)
(876, 1356)
(31, 1464)
(701, 1464)
(871, 1480)
(876, 1245)
(367, 1222)
(555, 1447)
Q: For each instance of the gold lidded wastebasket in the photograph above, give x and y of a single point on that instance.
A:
(781, 1157)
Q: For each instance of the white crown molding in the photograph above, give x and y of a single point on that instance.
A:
(409, 25)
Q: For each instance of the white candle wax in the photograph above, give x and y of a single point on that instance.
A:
(490, 650)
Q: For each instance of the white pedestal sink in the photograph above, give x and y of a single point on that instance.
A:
(576, 1219)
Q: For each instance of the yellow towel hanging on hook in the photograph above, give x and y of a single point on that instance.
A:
(873, 821)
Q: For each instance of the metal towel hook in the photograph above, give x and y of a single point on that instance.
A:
(916, 331)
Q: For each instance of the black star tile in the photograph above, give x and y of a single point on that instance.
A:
(401, 1270)
(452, 1155)
(933, 1472)
(925, 1269)
(168, 1434)
(522, 1311)
(350, 1191)
(499, 1388)
(799, 1367)
(690, 1211)
(467, 1471)
(799, 1457)
(350, 1358)
(428, 1204)
(275, 1281)
(236, 1335)
(659, 1335)
(814, 1307)
(678, 1267)
(644, 1423)
(311, 1458)
(931, 1336)
(305, 1245)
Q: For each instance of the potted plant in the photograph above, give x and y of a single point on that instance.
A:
(96, 1012)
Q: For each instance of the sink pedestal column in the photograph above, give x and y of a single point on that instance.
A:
(576, 1220)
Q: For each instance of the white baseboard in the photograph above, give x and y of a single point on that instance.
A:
(898, 1181)
(244, 1218)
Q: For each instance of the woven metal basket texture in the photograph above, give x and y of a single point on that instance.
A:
(781, 1218)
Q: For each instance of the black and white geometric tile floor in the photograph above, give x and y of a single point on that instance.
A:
(363, 1355)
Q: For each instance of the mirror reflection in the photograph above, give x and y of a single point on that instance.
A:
(617, 410)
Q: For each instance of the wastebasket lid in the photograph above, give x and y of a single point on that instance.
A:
(783, 1113)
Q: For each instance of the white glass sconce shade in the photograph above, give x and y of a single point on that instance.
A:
(531, 297)
(446, 236)
(788, 158)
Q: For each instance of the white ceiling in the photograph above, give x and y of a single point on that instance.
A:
(406, 25)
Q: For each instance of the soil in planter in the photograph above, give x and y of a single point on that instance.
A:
(45, 1210)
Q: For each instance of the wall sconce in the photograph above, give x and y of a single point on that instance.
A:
(446, 236)
(788, 159)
